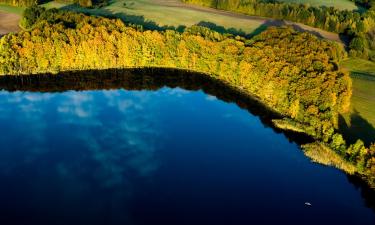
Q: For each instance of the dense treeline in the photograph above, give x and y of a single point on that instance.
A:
(84, 3)
(21, 3)
(285, 68)
(359, 27)
(30, 16)
(87, 3)
(365, 3)
(296, 74)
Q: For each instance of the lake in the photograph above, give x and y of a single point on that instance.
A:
(159, 147)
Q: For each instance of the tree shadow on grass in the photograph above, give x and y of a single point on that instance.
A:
(363, 75)
(233, 31)
(126, 18)
(280, 23)
(152, 25)
(357, 128)
(268, 23)
(221, 29)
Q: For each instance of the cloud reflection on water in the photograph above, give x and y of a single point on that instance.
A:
(109, 131)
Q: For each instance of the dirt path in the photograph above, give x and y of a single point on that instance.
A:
(267, 21)
(8, 22)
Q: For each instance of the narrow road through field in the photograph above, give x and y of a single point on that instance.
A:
(8, 22)
(271, 22)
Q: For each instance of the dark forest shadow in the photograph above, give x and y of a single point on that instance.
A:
(232, 31)
(148, 79)
(44, 1)
(152, 25)
(361, 7)
(223, 30)
(126, 18)
(367, 193)
(258, 30)
(363, 75)
(346, 40)
(280, 23)
(359, 128)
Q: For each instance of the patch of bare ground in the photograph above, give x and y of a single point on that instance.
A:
(8, 22)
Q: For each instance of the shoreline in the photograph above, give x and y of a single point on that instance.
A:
(154, 78)
(239, 64)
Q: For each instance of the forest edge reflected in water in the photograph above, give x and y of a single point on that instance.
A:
(154, 79)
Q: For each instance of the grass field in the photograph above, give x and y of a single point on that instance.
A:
(19, 10)
(360, 67)
(142, 11)
(175, 13)
(362, 117)
(54, 4)
(171, 13)
(339, 4)
(364, 98)
(175, 16)
(11, 9)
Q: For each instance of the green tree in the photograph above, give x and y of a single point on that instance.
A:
(31, 15)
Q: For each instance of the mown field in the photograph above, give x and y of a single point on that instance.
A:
(360, 67)
(11, 9)
(361, 120)
(162, 13)
(175, 13)
(363, 100)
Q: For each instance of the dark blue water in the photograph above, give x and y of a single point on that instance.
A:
(168, 157)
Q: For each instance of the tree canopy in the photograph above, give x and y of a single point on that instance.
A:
(295, 74)
(353, 24)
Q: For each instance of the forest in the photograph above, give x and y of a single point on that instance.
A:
(359, 27)
(28, 3)
(21, 3)
(295, 74)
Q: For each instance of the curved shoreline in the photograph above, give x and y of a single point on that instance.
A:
(154, 78)
(273, 66)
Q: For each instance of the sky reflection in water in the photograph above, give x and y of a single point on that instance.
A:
(156, 157)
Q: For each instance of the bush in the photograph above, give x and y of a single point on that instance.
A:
(31, 15)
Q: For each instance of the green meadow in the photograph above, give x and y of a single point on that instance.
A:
(11, 9)
(161, 13)
(361, 120)
(164, 14)
(172, 13)
(364, 98)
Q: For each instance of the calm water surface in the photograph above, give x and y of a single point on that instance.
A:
(165, 157)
